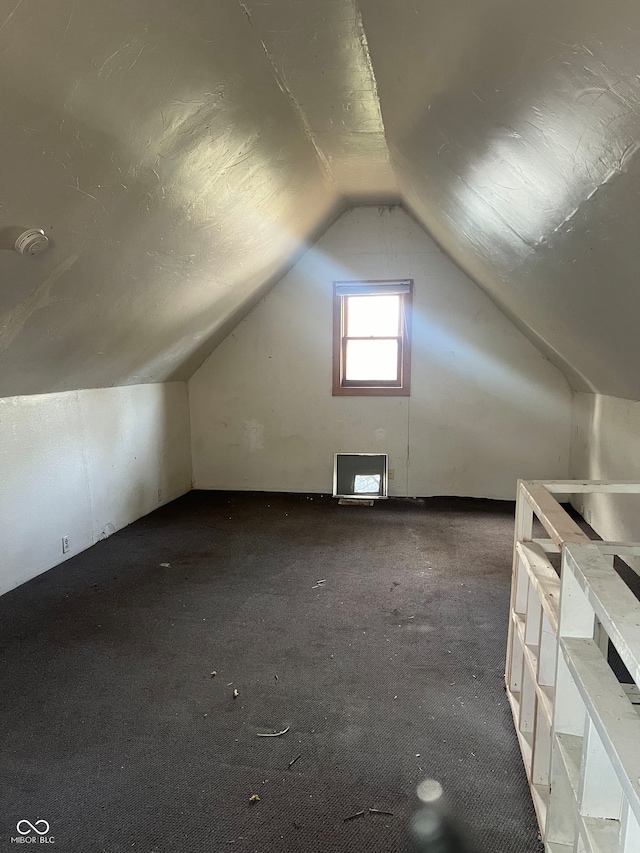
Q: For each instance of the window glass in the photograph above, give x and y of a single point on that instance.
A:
(376, 316)
(366, 484)
(375, 360)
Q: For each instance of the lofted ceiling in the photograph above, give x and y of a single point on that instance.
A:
(180, 155)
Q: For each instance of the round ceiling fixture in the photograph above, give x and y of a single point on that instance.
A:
(32, 242)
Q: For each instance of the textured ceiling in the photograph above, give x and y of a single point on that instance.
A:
(181, 154)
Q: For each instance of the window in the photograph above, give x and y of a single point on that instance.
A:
(371, 338)
(360, 475)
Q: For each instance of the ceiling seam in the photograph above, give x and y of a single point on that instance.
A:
(282, 84)
(364, 41)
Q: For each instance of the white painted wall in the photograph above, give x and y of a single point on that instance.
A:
(606, 446)
(83, 464)
(485, 406)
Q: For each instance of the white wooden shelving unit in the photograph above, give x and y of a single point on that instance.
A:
(594, 802)
(536, 672)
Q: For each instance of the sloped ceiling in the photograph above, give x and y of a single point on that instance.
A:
(180, 154)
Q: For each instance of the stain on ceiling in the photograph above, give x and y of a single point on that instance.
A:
(180, 156)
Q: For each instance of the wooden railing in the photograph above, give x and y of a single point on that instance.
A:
(565, 732)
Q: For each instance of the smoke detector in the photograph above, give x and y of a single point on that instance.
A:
(32, 242)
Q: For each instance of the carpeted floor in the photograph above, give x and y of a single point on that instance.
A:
(115, 733)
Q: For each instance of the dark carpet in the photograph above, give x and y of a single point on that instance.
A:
(115, 733)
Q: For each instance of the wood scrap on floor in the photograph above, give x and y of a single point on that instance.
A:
(273, 734)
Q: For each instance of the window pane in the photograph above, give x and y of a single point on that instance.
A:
(375, 316)
(374, 360)
(366, 484)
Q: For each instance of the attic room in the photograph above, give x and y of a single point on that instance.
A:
(206, 645)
